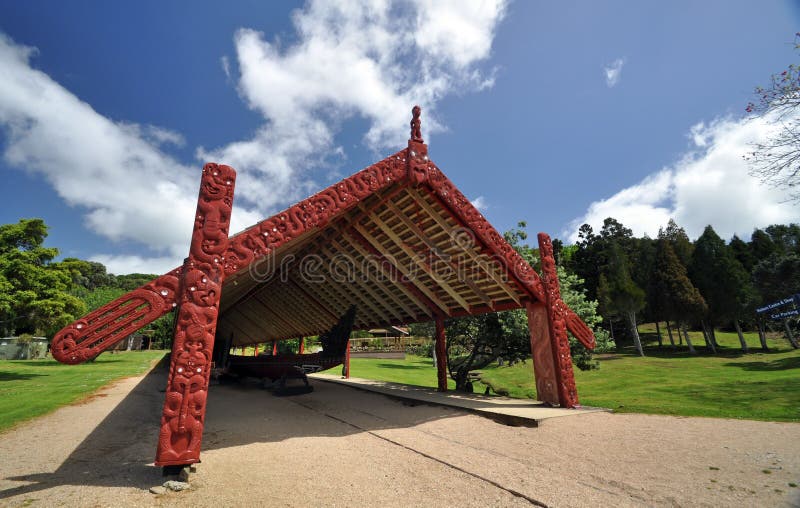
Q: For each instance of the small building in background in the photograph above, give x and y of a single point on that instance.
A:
(388, 339)
(390, 342)
(24, 347)
(134, 342)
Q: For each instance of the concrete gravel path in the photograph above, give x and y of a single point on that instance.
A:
(340, 446)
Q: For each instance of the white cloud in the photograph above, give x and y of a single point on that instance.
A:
(368, 59)
(371, 60)
(710, 184)
(122, 264)
(117, 172)
(226, 66)
(613, 72)
(480, 203)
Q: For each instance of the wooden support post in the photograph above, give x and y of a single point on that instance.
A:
(544, 370)
(441, 354)
(226, 351)
(255, 351)
(274, 348)
(347, 361)
(302, 347)
(196, 324)
(557, 326)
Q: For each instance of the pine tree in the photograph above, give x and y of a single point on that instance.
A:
(761, 245)
(742, 253)
(681, 301)
(618, 292)
(679, 241)
(723, 282)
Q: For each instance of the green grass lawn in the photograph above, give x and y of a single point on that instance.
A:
(30, 388)
(414, 370)
(759, 386)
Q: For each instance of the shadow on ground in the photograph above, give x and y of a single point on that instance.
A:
(119, 452)
(17, 376)
(668, 351)
(792, 362)
(38, 364)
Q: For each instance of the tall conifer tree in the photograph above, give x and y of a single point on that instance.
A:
(723, 282)
(680, 299)
(618, 292)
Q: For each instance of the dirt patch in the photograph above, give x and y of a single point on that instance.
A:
(340, 446)
(91, 397)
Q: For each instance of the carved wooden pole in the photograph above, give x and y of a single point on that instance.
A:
(441, 354)
(274, 348)
(347, 361)
(557, 325)
(302, 347)
(198, 299)
(544, 370)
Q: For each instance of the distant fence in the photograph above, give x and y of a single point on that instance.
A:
(386, 355)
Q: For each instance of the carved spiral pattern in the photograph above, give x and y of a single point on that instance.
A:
(316, 211)
(459, 203)
(214, 254)
(200, 290)
(90, 335)
(560, 316)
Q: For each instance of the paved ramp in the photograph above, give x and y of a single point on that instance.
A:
(516, 412)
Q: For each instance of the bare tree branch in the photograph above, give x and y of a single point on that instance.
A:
(776, 161)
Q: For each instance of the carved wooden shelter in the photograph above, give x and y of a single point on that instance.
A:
(397, 240)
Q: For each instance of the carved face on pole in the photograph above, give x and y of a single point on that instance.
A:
(201, 291)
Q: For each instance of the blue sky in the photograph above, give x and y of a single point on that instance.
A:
(556, 113)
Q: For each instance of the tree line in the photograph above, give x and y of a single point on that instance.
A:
(39, 295)
(612, 279)
(615, 281)
(704, 284)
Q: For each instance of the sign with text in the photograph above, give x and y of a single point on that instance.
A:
(795, 299)
(785, 314)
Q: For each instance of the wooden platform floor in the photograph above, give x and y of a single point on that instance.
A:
(516, 412)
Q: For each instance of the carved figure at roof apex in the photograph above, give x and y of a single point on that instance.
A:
(416, 125)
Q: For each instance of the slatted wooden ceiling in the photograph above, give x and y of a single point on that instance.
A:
(399, 256)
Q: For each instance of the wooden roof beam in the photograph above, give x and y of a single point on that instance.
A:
(366, 288)
(369, 255)
(246, 323)
(413, 256)
(366, 275)
(266, 317)
(419, 199)
(332, 305)
(314, 300)
(297, 303)
(278, 255)
(234, 328)
(434, 249)
(284, 326)
(294, 327)
(421, 292)
(354, 297)
(336, 293)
